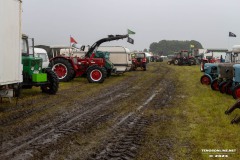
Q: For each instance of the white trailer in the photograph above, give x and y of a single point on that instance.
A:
(10, 46)
(119, 56)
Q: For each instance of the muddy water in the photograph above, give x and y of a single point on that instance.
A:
(111, 124)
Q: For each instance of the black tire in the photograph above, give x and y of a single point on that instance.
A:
(222, 86)
(144, 66)
(63, 69)
(215, 85)
(53, 83)
(96, 74)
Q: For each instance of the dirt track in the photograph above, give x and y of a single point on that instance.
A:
(88, 121)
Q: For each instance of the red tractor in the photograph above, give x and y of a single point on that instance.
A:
(139, 60)
(69, 67)
(182, 58)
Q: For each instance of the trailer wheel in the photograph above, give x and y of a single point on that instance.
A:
(205, 79)
(236, 92)
(222, 87)
(214, 85)
(52, 85)
(63, 69)
(96, 74)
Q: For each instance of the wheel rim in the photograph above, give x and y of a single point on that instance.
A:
(60, 69)
(215, 86)
(237, 93)
(206, 80)
(96, 75)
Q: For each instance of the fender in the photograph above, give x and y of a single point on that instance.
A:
(209, 77)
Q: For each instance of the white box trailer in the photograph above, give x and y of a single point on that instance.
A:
(10, 45)
(119, 56)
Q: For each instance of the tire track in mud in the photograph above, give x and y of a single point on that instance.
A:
(129, 133)
(131, 126)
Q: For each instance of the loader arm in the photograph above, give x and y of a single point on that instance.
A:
(99, 42)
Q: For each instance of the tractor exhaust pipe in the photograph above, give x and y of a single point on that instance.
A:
(231, 109)
(235, 120)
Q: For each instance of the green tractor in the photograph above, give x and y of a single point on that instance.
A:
(34, 74)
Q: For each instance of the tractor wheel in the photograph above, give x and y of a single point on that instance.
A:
(236, 92)
(52, 86)
(205, 79)
(229, 88)
(169, 63)
(214, 85)
(176, 62)
(222, 87)
(144, 66)
(96, 74)
(63, 69)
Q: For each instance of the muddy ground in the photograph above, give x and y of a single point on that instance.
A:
(90, 121)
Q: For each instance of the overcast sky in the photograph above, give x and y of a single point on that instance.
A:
(207, 21)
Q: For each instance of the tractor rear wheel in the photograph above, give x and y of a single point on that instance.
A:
(144, 66)
(205, 79)
(176, 62)
(96, 74)
(52, 86)
(63, 68)
(236, 92)
(214, 85)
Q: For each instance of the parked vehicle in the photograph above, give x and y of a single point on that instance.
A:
(68, 67)
(34, 74)
(212, 56)
(224, 77)
(182, 58)
(10, 48)
(235, 88)
(156, 59)
(211, 72)
(119, 56)
(139, 59)
(42, 53)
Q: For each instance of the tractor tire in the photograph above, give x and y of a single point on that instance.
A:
(222, 87)
(236, 92)
(176, 62)
(63, 69)
(205, 79)
(215, 85)
(96, 74)
(52, 86)
(144, 67)
(169, 63)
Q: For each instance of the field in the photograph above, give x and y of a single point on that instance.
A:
(161, 113)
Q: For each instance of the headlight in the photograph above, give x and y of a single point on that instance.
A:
(39, 68)
(32, 68)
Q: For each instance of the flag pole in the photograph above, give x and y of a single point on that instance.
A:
(70, 46)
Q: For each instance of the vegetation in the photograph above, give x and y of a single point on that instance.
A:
(194, 120)
(166, 47)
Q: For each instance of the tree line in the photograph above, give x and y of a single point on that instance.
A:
(168, 47)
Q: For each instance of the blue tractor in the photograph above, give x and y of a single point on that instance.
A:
(211, 72)
(235, 86)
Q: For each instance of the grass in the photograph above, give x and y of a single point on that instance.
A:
(197, 121)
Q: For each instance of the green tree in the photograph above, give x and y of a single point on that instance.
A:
(167, 47)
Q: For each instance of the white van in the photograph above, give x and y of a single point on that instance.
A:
(39, 52)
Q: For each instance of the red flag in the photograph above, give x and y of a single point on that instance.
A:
(72, 40)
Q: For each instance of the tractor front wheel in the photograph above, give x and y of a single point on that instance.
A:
(63, 68)
(52, 86)
(214, 85)
(236, 92)
(96, 74)
(205, 79)
(222, 87)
